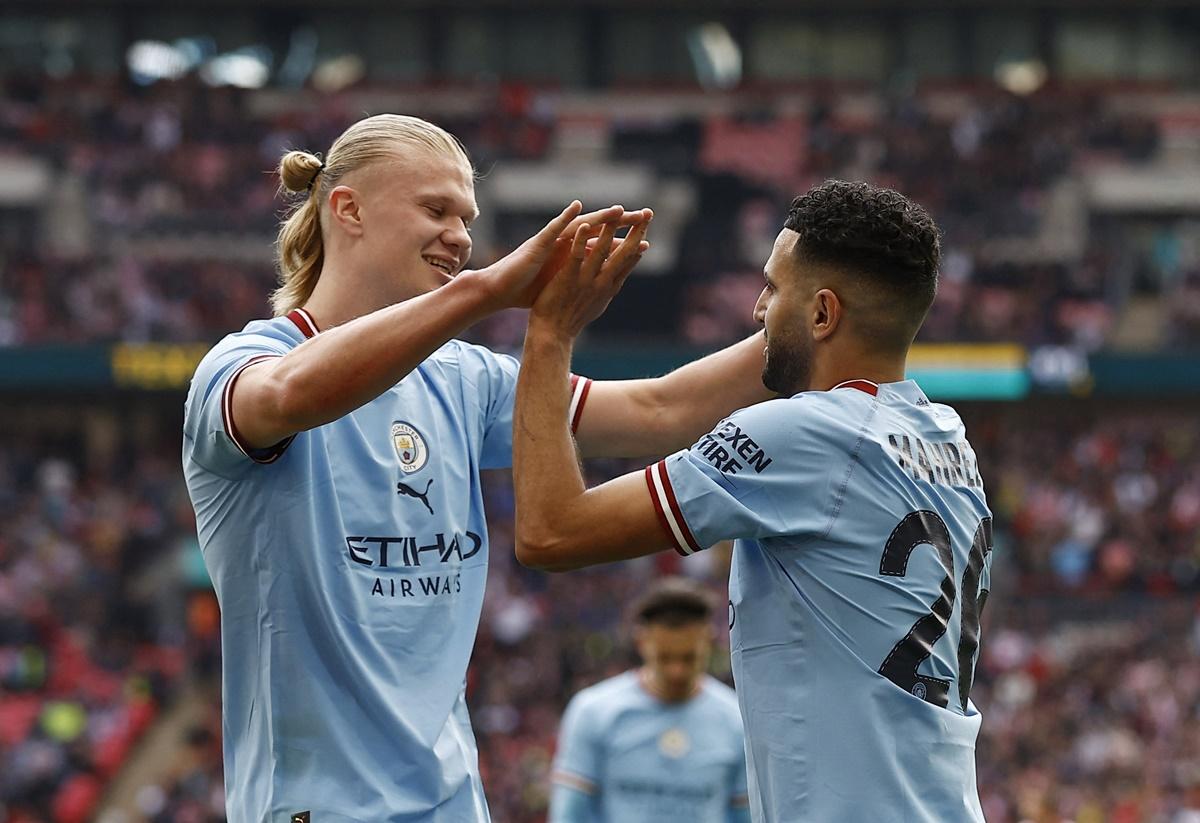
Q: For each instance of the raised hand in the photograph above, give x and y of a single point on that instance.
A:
(516, 279)
(596, 267)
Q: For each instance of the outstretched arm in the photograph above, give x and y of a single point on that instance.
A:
(639, 418)
(333, 373)
(561, 524)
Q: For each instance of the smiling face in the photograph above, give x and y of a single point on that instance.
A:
(416, 216)
(784, 308)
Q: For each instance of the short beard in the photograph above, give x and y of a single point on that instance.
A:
(787, 370)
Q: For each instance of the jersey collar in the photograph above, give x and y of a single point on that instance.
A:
(304, 322)
(862, 385)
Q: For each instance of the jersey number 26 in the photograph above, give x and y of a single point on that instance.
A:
(900, 666)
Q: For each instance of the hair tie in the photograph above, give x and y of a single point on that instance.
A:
(313, 182)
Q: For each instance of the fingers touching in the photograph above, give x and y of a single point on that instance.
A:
(616, 215)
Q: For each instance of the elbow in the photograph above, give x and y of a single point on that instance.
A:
(289, 404)
(542, 553)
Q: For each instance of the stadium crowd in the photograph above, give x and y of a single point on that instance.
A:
(158, 222)
(95, 630)
(1092, 702)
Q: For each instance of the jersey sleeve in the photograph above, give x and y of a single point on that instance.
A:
(570, 805)
(491, 379)
(577, 762)
(762, 472)
(210, 437)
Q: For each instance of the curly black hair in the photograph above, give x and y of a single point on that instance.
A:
(874, 232)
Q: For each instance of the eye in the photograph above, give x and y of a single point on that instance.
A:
(436, 211)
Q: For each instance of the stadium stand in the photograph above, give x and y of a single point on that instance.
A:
(164, 210)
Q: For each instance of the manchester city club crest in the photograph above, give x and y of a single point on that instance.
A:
(674, 743)
(410, 447)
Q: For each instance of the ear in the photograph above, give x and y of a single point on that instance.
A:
(344, 208)
(827, 314)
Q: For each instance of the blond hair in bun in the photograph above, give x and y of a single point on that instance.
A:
(300, 249)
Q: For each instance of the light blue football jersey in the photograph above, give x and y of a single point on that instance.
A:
(646, 761)
(855, 592)
(350, 565)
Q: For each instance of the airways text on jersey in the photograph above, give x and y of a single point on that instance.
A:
(950, 464)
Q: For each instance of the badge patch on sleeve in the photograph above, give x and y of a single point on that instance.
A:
(302, 817)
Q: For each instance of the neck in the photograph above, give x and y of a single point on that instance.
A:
(873, 367)
(339, 299)
(655, 689)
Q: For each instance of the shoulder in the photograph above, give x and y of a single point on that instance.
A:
(797, 424)
(620, 686)
(268, 336)
(947, 418)
(460, 351)
(811, 410)
(472, 361)
(607, 696)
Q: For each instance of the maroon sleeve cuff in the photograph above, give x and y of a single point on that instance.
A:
(580, 386)
(271, 453)
(666, 506)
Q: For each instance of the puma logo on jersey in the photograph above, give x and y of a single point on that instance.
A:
(408, 491)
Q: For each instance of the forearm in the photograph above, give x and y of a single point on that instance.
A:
(694, 397)
(560, 523)
(546, 470)
(639, 418)
(346, 367)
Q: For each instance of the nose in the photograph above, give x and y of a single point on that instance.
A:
(760, 308)
(458, 239)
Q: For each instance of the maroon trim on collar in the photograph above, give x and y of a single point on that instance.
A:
(304, 322)
(862, 385)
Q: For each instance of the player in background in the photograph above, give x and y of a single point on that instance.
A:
(661, 743)
(332, 454)
(864, 538)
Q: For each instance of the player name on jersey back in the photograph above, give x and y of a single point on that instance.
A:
(948, 464)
